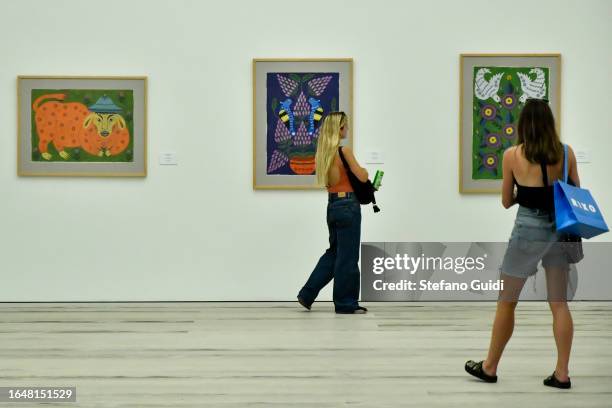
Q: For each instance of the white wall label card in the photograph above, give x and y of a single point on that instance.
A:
(168, 159)
(374, 157)
(583, 155)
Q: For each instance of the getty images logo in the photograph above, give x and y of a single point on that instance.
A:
(584, 206)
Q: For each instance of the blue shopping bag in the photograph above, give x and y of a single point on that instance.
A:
(576, 212)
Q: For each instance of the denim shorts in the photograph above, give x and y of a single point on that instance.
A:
(534, 238)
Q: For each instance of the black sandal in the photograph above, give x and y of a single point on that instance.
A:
(552, 381)
(475, 369)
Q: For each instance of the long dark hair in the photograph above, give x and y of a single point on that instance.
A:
(537, 133)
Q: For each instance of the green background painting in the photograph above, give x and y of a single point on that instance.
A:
(120, 97)
(495, 122)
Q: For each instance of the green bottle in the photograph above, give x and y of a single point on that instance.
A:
(378, 179)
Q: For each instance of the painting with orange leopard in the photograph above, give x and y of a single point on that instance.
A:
(82, 125)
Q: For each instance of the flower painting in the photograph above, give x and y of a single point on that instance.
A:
(499, 95)
(291, 99)
(296, 104)
(494, 90)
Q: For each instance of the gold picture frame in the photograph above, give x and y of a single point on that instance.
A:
(467, 62)
(126, 160)
(342, 67)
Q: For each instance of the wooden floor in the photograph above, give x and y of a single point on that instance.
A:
(279, 355)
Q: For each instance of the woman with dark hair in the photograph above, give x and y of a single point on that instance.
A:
(532, 166)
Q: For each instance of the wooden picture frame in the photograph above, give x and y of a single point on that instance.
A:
(290, 97)
(82, 126)
(492, 90)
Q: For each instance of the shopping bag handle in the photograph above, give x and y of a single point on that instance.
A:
(564, 163)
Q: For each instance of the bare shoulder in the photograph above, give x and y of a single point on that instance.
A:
(510, 152)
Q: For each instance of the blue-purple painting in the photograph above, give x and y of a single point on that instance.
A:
(296, 104)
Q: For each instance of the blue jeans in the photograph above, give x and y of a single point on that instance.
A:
(340, 260)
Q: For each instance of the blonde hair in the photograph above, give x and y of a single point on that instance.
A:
(327, 144)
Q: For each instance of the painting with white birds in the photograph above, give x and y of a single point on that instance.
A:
(499, 95)
(494, 89)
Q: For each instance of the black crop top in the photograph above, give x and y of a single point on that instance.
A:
(541, 198)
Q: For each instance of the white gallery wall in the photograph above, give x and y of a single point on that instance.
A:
(198, 231)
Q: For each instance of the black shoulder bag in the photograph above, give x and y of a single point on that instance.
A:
(364, 191)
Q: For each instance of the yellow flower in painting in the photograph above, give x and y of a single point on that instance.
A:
(488, 112)
(509, 131)
(493, 140)
(490, 161)
(509, 101)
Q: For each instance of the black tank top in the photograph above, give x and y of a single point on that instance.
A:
(541, 198)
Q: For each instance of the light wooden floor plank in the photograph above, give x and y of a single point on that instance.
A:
(278, 355)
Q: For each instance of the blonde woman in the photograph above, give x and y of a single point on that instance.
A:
(343, 220)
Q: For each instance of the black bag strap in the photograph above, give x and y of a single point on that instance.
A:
(346, 165)
(351, 176)
(544, 173)
(544, 168)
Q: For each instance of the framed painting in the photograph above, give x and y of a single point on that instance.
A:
(493, 91)
(290, 98)
(82, 126)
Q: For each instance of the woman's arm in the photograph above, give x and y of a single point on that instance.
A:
(572, 172)
(508, 198)
(358, 171)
